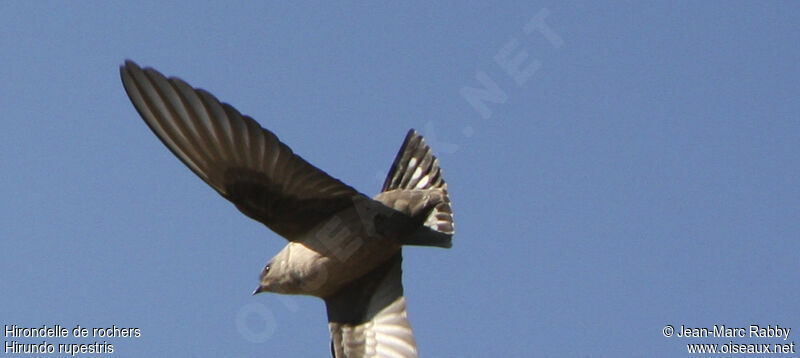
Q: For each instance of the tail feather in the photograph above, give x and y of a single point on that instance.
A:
(415, 167)
(415, 186)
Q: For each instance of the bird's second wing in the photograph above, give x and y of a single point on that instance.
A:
(367, 318)
(231, 152)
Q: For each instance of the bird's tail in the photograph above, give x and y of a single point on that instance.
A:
(415, 187)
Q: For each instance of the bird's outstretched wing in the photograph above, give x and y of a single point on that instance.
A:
(367, 318)
(231, 152)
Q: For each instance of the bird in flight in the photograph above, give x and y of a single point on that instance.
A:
(344, 247)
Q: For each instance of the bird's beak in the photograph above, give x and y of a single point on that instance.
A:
(259, 289)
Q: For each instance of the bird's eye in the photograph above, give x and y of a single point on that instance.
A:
(266, 269)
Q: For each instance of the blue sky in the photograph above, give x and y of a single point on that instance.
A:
(643, 172)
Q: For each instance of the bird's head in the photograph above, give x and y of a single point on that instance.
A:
(276, 275)
(294, 270)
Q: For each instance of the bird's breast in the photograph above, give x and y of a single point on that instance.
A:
(335, 253)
